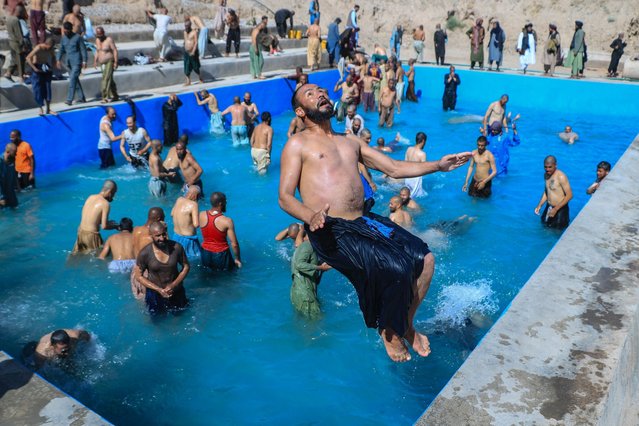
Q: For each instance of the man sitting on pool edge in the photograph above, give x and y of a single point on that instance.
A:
(399, 266)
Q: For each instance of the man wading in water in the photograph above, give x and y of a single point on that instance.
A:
(398, 266)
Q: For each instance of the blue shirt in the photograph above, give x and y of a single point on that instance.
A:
(333, 35)
(74, 48)
(499, 145)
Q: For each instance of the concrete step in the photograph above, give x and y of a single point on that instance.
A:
(215, 49)
(15, 96)
(129, 33)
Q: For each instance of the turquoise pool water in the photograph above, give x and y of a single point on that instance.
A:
(240, 354)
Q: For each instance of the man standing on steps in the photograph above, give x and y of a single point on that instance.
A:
(161, 33)
(73, 46)
(191, 56)
(439, 38)
(418, 43)
(280, 21)
(255, 52)
(314, 54)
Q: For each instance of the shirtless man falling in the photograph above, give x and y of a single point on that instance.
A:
(262, 143)
(95, 215)
(485, 172)
(185, 222)
(399, 266)
(496, 112)
(239, 119)
(557, 194)
(120, 246)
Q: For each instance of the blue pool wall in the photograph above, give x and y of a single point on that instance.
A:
(72, 136)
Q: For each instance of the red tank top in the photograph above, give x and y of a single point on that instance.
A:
(214, 239)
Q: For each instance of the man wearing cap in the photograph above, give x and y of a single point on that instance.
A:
(527, 46)
(575, 59)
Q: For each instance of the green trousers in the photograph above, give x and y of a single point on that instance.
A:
(109, 91)
(257, 61)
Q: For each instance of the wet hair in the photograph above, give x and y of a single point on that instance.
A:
(293, 228)
(338, 20)
(155, 214)
(420, 137)
(109, 185)
(380, 141)
(365, 132)
(184, 139)
(60, 337)
(266, 116)
(236, 100)
(17, 132)
(550, 158)
(126, 224)
(68, 26)
(482, 138)
(217, 198)
(404, 188)
(157, 226)
(604, 165)
(132, 117)
(294, 102)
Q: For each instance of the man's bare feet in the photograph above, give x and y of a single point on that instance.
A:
(52, 112)
(395, 347)
(418, 341)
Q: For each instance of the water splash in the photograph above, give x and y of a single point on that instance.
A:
(460, 302)
(283, 252)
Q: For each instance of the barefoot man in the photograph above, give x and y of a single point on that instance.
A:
(261, 144)
(557, 194)
(191, 56)
(485, 172)
(120, 246)
(496, 112)
(398, 266)
(387, 101)
(185, 222)
(95, 215)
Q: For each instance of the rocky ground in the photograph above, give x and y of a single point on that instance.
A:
(602, 20)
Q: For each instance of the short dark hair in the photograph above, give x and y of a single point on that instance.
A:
(217, 198)
(420, 137)
(126, 224)
(604, 165)
(60, 336)
(294, 102)
(266, 116)
(482, 138)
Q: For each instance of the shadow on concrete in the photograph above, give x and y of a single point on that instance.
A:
(12, 376)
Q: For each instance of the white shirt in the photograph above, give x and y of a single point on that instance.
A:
(349, 124)
(162, 22)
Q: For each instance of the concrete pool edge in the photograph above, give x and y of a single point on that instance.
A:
(567, 348)
(28, 399)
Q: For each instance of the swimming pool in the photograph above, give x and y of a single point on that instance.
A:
(240, 354)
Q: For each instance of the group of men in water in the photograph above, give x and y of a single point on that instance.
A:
(390, 268)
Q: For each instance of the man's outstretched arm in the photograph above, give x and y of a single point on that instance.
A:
(407, 169)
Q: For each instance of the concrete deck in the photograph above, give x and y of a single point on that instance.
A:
(27, 399)
(567, 349)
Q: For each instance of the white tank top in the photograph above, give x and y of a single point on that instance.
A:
(135, 140)
(105, 141)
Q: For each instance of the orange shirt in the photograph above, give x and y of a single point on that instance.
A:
(24, 154)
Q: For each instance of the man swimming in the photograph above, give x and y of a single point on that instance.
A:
(95, 215)
(58, 345)
(568, 135)
(557, 194)
(185, 222)
(120, 246)
(262, 143)
(397, 214)
(407, 201)
(483, 162)
(496, 112)
(239, 119)
(397, 266)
